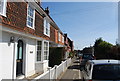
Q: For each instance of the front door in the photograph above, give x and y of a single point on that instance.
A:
(19, 60)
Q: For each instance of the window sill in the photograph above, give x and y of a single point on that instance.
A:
(4, 15)
(30, 27)
(46, 34)
(42, 61)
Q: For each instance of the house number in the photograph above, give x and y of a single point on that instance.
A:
(31, 51)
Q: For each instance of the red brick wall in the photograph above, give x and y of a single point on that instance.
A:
(52, 33)
(16, 19)
(56, 36)
(16, 15)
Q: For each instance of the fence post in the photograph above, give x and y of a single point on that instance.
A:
(66, 63)
(56, 72)
(63, 65)
(49, 69)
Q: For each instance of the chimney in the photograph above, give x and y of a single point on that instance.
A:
(65, 34)
(47, 11)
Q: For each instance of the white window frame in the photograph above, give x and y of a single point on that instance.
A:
(3, 13)
(38, 50)
(59, 35)
(62, 39)
(46, 50)
(33, 27)
(46, 27)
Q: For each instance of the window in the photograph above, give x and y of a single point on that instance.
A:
(62, 39)
(106, 71)
(3, 7)
(46, 27)
(39, 47)
(30, 17)
(58, 36)
(46, 50)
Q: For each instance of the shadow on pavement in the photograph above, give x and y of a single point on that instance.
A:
(74, 67)
(70, 80)
(77, 80)
(76, 62)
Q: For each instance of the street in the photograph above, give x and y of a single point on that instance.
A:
(73, 71)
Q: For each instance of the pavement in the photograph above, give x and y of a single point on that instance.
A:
(73, 71)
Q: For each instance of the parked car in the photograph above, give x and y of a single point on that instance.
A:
(101, 70)
(85, 58)
(79, 55)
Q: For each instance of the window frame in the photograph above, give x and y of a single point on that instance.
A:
(46, 50)
(3, 13)
(38, 50)
(59, 36)
(31, 6)
(46, 27)
(62, 39)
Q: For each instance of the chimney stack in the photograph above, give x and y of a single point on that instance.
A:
(47, 11)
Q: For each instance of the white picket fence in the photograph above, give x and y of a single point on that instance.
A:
(56, 71)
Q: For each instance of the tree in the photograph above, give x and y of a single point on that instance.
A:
(102, 48)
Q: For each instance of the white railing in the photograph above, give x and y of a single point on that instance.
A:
(56, 71)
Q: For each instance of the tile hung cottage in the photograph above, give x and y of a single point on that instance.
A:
(26, 33)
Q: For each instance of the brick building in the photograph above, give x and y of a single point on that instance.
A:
(26, 33)
(69, 47)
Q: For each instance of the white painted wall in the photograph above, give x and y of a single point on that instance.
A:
(30, 53)
(6, 56)
(8, 53)
(41, 67)
(8, 61)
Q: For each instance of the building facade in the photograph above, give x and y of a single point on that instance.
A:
(69, 47)
(26, 33)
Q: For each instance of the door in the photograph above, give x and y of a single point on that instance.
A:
(19, 60)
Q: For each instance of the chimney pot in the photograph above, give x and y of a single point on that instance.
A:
(47, 10)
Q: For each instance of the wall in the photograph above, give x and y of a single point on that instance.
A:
(17, 16)
(30, 56)
(9, 57)
(6, 56)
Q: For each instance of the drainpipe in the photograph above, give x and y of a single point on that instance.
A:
(13, 73)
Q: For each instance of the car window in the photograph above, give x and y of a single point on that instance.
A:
(106, 71)
(88, 56)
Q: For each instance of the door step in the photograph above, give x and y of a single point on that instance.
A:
(20, 77)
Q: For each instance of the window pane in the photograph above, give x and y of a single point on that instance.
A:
(106, 71)
(45, 50)
(39, 42)
(38, 55)
(1, 6)
(30, 16)
(39, 50)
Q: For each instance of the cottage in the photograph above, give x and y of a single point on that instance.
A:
(26, 33)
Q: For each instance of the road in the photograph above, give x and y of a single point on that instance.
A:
(73, 71)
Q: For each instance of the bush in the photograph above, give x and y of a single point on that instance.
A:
(56, 55)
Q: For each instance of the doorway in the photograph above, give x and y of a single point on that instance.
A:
(19, 60)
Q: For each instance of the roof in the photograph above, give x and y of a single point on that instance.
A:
(105, 61)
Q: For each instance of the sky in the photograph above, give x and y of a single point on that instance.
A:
(84, 22)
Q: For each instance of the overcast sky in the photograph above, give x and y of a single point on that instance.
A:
(84, 22)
